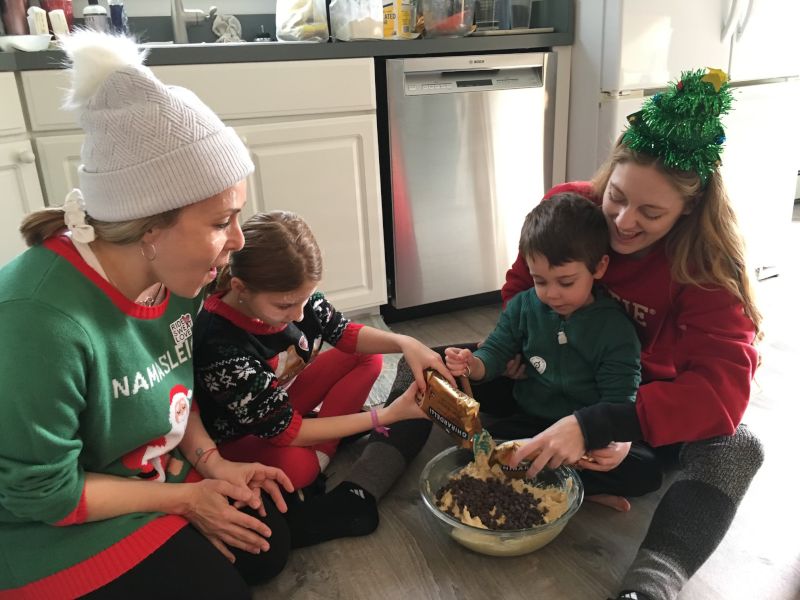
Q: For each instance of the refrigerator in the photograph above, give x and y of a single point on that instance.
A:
(627, 50)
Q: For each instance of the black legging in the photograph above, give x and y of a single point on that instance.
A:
(189, 566)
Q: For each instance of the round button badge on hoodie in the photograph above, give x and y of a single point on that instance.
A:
(539, 364)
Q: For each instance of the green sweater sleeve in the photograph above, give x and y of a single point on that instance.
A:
(505, 340)
(618, 368)
(43, 368)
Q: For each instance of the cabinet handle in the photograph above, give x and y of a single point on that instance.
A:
(26, 156)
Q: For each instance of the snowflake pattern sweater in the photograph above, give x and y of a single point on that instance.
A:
(243, 367)
(95, 383)
(698, 357)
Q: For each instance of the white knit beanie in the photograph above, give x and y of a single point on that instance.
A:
(149, 147)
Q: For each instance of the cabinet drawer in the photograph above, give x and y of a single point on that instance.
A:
(234, 91)
(11, 120)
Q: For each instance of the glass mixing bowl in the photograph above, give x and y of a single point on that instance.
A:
(508, 542)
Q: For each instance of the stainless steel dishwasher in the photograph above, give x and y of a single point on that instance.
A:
(471, 153)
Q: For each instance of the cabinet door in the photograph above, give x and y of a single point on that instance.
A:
(59, 157)
(11, 120)
(326, 170)
(21, 194)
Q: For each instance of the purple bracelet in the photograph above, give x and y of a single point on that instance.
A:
(383, 430)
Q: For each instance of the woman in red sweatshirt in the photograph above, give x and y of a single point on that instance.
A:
(677, 266)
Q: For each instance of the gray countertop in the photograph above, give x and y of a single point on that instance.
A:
(281, 51)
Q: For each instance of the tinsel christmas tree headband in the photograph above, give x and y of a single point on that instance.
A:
(682, 126)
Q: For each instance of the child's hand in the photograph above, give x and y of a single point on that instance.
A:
(406, 407)
(458, 361)
(419, 357)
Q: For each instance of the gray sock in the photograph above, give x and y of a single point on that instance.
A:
(376, 470)
(384, 459)
(695, 513)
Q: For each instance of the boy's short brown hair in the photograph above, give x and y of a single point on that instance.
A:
(564, 228)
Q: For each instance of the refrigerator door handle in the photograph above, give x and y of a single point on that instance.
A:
(743, 23)
(729, 20)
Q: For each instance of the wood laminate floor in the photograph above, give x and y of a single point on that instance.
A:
(410, 557)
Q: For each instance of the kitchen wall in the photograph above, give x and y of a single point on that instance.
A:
(160, 8)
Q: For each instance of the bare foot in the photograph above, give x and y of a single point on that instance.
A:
(616, 502)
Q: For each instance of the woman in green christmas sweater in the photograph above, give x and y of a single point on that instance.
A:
(109, 484)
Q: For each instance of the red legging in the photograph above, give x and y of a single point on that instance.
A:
(339, 381)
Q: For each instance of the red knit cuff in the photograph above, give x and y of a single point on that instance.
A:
(349, 340)
(78, 515)
(287, 436)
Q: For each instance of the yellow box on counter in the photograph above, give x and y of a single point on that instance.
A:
(399, 19)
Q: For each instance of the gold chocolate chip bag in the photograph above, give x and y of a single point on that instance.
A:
(451, 409)
(502, 456)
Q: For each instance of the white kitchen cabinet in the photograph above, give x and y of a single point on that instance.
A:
(59, 157)
(21, 194)
(11, 120)
(326, 170)
(311, 128)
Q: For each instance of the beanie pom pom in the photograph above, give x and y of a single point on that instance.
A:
(94, 57)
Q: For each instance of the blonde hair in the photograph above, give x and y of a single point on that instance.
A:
(280, 254)
(42, 224)
(705, 247)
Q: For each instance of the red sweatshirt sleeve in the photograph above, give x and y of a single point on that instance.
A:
(715, 362)
(518, 278)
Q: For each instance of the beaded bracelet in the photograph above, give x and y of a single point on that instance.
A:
(382, 429)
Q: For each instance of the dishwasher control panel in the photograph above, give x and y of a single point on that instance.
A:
(472, 80)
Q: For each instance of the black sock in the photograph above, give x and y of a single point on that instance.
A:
(347, 510)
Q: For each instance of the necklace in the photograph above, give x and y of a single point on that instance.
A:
(146, 300)
(151, 300)
(94, 260)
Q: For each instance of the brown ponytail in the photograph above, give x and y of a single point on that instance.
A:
(42, 224)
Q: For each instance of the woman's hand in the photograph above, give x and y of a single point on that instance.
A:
(405, 406)
(222, 523)
(419, 357)
(253, 476)
(458, 360)
(561, 443)
(605, 459)
(515, 368)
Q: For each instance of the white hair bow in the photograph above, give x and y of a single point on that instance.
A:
(75, 218)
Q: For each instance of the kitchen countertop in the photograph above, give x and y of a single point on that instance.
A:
(282, 51)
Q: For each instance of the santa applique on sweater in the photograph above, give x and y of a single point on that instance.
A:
(150, 460)
(289, 364)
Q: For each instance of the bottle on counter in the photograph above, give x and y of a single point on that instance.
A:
(15, 17)
(119, 20)
(95, 16)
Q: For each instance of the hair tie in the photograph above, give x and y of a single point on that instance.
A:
(376, 425)
(75, 218)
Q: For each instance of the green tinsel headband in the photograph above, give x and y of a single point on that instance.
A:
(682, 126)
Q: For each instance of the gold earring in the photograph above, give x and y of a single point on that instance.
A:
(144, 254)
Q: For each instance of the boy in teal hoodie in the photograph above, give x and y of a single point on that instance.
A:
(578, 346)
